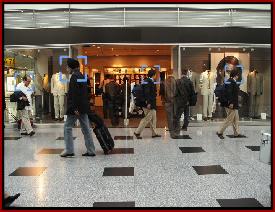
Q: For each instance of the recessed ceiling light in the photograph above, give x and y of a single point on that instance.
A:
(85, 52)
(98, 47)
(93, 45)
(252, 49)
(209, 49)
(157, 50)
(243, 49)
(219, 49)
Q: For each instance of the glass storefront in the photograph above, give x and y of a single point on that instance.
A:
(254, 65)
(133, 62)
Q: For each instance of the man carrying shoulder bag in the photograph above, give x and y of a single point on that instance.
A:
(185, 97)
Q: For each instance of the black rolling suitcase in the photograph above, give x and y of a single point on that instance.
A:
(102, 133)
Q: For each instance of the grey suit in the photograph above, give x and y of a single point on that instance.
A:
(195, 78)
(255, 90)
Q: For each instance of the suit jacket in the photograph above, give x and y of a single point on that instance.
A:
(195, 78)
(184, 91)
(58, 88)
(169, 89)
(21, 104)
(113, 92)
(232, 93)
(205, 81)
(77, 95)
(255, 83)
(150, 93)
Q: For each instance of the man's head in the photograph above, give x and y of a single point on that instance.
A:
(27, 80)
(184, 72)
(152, 74)
(72, 65)
(234, 74)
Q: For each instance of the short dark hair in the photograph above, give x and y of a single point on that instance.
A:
(184, 71)
(111, 76)
(25, 78)
(151, 73)
(234, 73)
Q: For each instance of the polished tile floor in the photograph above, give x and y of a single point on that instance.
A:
(203, 171)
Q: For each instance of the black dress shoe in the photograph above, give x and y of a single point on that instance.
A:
(64, 155)
(156, 136)
(10, 199)
(88, 154)
(220, 135)
(184, 128)
(31, 133)
(24, 133)
(137, 136)
(205, 119)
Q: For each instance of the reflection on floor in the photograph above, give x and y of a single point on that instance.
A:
(200, 172)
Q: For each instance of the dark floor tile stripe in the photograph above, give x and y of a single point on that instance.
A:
(122, 151)
(50, 151)
(28, 171)
(191, 149)
(215, 169)
(114, 204)
(118, 171)
(242, 202)
(11, 138)
(62, 138)
(232, 136)
(253, 148)
(123, 138)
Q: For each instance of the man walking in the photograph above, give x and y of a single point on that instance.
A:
(77, 108)
(184, 91)
(113, 93)
(149, 106)
(25, 113)
(231, 105)
(169, 102)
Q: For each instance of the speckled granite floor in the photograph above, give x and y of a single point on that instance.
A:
(158, 172)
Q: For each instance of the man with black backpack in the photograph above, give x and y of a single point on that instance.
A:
(229, 100)
(149, 105)
(184, 97)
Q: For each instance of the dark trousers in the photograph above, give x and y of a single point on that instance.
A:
(105, 106)
(170, 113)
(46, 102)
(38, 106)
(114, 113)
(178, 114)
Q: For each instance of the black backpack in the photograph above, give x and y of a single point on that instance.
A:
(138, 93)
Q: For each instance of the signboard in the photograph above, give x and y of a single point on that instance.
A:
(9, 61)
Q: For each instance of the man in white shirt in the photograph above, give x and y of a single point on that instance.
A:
(26, 128)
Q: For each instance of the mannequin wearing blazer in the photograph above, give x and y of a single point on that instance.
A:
(207, 86)
(58, 89)
(255, 90)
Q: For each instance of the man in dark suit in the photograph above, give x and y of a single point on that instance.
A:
(231, 105)
(77, 108)
(150, 106)
(184, 90)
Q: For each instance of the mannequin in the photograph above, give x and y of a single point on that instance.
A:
(58, 89)
(207, 85)
(195, 78)
(38, 83)
(255, 90)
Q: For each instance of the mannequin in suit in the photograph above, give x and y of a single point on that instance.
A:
(58, 89)
(46, 93)
(195, 78)
(255, 90)
(207, 86)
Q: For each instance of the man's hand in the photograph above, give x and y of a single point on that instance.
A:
(76, 113)
(149, 106)
(231, 106)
